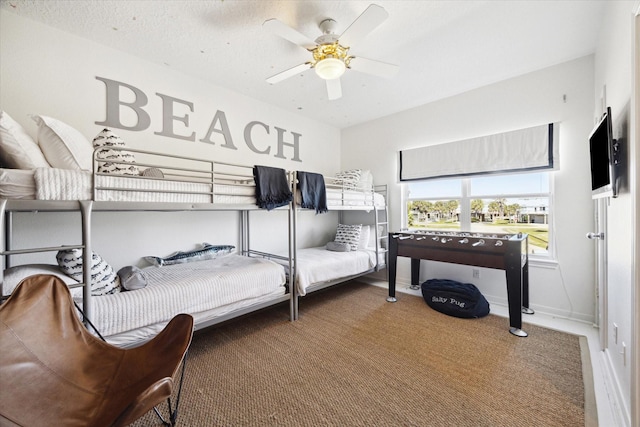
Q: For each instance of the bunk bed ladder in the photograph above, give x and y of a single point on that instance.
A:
(384, 223)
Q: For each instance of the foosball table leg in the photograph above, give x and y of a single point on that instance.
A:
(518, 332)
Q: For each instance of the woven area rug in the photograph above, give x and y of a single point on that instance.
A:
(353, 359)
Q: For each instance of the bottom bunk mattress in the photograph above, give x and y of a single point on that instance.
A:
(204, 289)
(319, 265)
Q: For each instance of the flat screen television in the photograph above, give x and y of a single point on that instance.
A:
(602, 150)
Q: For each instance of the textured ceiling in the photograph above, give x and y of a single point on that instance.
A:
(442, 47)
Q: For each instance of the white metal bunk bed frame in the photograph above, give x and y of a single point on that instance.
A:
(227, 174)
(332, 182)
(216, 173)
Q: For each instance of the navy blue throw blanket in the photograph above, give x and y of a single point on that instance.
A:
(272, 187)
(312, 191)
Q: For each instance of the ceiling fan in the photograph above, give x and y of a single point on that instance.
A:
(330, 52)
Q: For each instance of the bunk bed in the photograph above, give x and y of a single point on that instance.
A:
(317, 268)
(119, 178)
(212, 290)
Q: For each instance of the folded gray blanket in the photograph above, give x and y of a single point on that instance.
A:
(272, 187)
(338, 247)
(312, 191)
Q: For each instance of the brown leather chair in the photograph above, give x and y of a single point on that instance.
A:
(53, 372)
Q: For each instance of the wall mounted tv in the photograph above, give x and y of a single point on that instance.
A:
(603, 151)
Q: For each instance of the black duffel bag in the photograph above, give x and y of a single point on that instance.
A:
(455, 298)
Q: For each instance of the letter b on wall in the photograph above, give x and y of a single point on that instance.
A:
(139, 100)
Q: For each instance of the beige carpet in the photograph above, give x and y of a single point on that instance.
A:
(355, 360)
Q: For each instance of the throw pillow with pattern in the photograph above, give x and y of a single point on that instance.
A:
(104, 279)
(106, 138)
(349, 234)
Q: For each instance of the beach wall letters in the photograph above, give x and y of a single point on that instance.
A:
(257, 135)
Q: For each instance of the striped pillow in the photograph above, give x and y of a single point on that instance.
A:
(349, 234)
(104, 279)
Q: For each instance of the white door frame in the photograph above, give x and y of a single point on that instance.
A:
(635, 225)
(602, 289)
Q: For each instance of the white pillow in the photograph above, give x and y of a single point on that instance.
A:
(373, 236)
(104, 279)
(17, 149)
(366, 180)
(106, 138)
(63, 146)
(14, 275)
(365, 236)
(349, 234)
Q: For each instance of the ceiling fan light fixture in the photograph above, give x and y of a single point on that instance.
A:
(330, 68)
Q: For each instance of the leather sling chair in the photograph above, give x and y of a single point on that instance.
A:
(54, 372)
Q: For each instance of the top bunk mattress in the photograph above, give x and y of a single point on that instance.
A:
(339, 198)
(66, 184)
(348, 190)
(53, 184)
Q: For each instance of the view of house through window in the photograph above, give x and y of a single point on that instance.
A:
(489, 204)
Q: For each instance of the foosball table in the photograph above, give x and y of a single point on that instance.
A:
(508, 252)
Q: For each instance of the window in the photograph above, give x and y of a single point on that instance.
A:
(500, 203)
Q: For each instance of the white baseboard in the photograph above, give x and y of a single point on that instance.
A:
(619, 408)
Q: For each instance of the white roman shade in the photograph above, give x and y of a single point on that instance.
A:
(527, 149)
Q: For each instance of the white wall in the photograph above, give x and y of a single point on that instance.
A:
(49, 72)
(613, 71)
(533, 99)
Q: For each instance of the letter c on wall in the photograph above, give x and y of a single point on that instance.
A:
(249, 141)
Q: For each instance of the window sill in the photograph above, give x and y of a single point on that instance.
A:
(549, 263)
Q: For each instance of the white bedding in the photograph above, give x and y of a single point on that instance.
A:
(187, 288)
(134, 336)
(65, 184)
(17, 184)
(318, 265)
(337, 197)
(204, 289)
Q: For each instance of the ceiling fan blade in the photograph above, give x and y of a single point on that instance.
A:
(334, 89)
(377, 68)
(286, 32)
(373, 16)
(288, 73)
